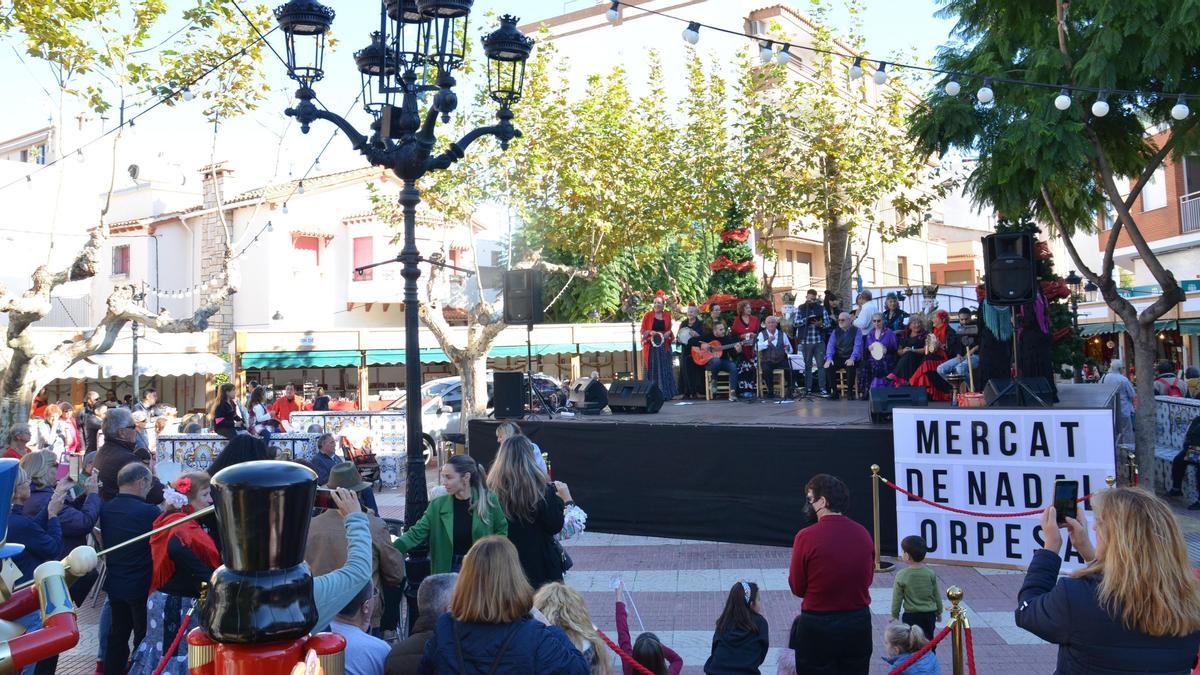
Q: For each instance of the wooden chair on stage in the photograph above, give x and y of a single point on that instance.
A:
(780, 376)
(722, 384)
(847, 390)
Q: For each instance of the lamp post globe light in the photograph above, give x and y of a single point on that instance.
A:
(419, 45)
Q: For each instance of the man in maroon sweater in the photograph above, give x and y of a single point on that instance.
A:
(833, 562)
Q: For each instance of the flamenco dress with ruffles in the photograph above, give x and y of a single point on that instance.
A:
(920, 378)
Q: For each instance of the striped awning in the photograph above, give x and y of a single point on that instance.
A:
(303, 359)
(1089, 329)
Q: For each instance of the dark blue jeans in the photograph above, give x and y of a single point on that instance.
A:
(728, 366)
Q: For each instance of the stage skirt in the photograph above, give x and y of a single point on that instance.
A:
(921, 378)
(661, 371)
(164, 614)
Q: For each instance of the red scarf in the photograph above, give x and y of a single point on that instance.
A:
(940, 332)
(190, 534)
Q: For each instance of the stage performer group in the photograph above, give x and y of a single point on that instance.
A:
(827, 352)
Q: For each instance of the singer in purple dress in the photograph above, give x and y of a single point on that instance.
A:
(878, 362)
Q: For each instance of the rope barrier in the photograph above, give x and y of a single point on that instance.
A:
(637, 667)
(170, 653)
(966, 512)
(923, 651)
(970, 649)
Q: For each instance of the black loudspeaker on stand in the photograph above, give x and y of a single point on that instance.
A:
(523, 301)
(1022, 392)
(1010, 274)
(587, 396)
(508, 395)
(634, 396)
(883, 399)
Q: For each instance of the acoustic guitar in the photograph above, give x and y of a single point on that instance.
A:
(707, 351)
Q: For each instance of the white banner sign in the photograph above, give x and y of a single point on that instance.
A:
(994, 461)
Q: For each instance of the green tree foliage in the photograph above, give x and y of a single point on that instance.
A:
(1062, 167)
(110, 51)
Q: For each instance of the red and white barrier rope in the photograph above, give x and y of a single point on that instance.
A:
(923, 651)
(637, 667)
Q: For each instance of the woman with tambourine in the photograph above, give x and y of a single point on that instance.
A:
(656, 347)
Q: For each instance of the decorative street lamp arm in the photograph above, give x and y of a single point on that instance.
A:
(504, 132)
(305, 113)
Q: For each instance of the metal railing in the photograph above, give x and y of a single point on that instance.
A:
(1189, 212)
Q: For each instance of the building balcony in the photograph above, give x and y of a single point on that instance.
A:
(1189, 212)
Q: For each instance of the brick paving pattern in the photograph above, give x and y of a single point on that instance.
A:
(679, 588)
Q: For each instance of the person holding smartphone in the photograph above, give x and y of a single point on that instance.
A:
(1135, 607)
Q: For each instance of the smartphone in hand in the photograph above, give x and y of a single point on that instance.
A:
(324, 499)
(1066, 505)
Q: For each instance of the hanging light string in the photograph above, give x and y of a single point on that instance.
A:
(181, 90)
(985, 94)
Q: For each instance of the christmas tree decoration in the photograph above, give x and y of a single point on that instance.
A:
(734, 268)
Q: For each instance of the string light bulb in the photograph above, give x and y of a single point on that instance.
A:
(880, 74)
(953, 87)
(985, 95)
(1063, 100)
(187, 93)
(270, 226)
(1100, 107)
(765, 53)
(856, 69)
(300, 187)
(783, 55)
(285, 209)
(1180, 110)
(614, 12)
(79, 155)
(691, 34)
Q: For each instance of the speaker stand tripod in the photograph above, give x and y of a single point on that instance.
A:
(531, 391)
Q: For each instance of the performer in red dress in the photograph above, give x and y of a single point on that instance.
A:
(936, 350)
(746, 324)
(657, 337)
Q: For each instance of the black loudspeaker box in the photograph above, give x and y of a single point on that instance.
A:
(883, 399)
(634, 396)
(587, 396)
(1023, 392)
(523, 301)
(1010, 274)
(508, 395)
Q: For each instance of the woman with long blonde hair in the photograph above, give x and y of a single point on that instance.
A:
(488, 627)
(564, 607)
(1135, 607)
(534, 507)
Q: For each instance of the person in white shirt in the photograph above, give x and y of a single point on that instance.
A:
(1125, 398)
(365, 654)
(774, 353)
(867, 308)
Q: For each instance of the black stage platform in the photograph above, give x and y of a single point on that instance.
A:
(721, 470)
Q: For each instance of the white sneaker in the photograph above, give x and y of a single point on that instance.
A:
(732, 396)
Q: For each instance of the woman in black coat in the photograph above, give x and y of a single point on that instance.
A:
(534, 507)
(1135, 607)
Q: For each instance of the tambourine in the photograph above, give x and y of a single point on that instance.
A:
(878, 351)
(656, 339)
(931, 343)
(685, 335)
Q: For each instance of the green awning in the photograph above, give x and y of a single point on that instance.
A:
(395, 357)
(605, 347)
(305, 359)
(1089, 329)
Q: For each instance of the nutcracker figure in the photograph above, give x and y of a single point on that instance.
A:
(259, 609)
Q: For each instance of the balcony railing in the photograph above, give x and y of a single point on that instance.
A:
(1189, 212)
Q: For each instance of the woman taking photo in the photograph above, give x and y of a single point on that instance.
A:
(1135, 608)
(488, 627)
(184, 559)
(452, 522)
(226, 417)
(656, 345)
(534, 508)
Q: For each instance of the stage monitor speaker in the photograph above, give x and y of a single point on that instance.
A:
(508, 395)
(1009, 268)
(1023, 392)
(523, 301)
(634, 396)
(587, 396)
(883, 399)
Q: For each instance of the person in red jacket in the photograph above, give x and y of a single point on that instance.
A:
(833, 562)
(285, 405)
(648, 650)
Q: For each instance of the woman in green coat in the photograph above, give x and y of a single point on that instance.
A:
(452, 522)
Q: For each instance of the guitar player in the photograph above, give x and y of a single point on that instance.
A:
(722, 359)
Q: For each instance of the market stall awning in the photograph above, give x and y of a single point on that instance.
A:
(149, 364)
(585, 347)
(1089, 329)
(395, 357)
(305, 359)
(1185, 326)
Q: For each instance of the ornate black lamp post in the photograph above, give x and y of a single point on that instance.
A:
(1074, 281)
(419, 45)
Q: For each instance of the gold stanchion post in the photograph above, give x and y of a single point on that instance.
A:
(880, 566)
(958, 621)
(1133, 468)
(1111, 480)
